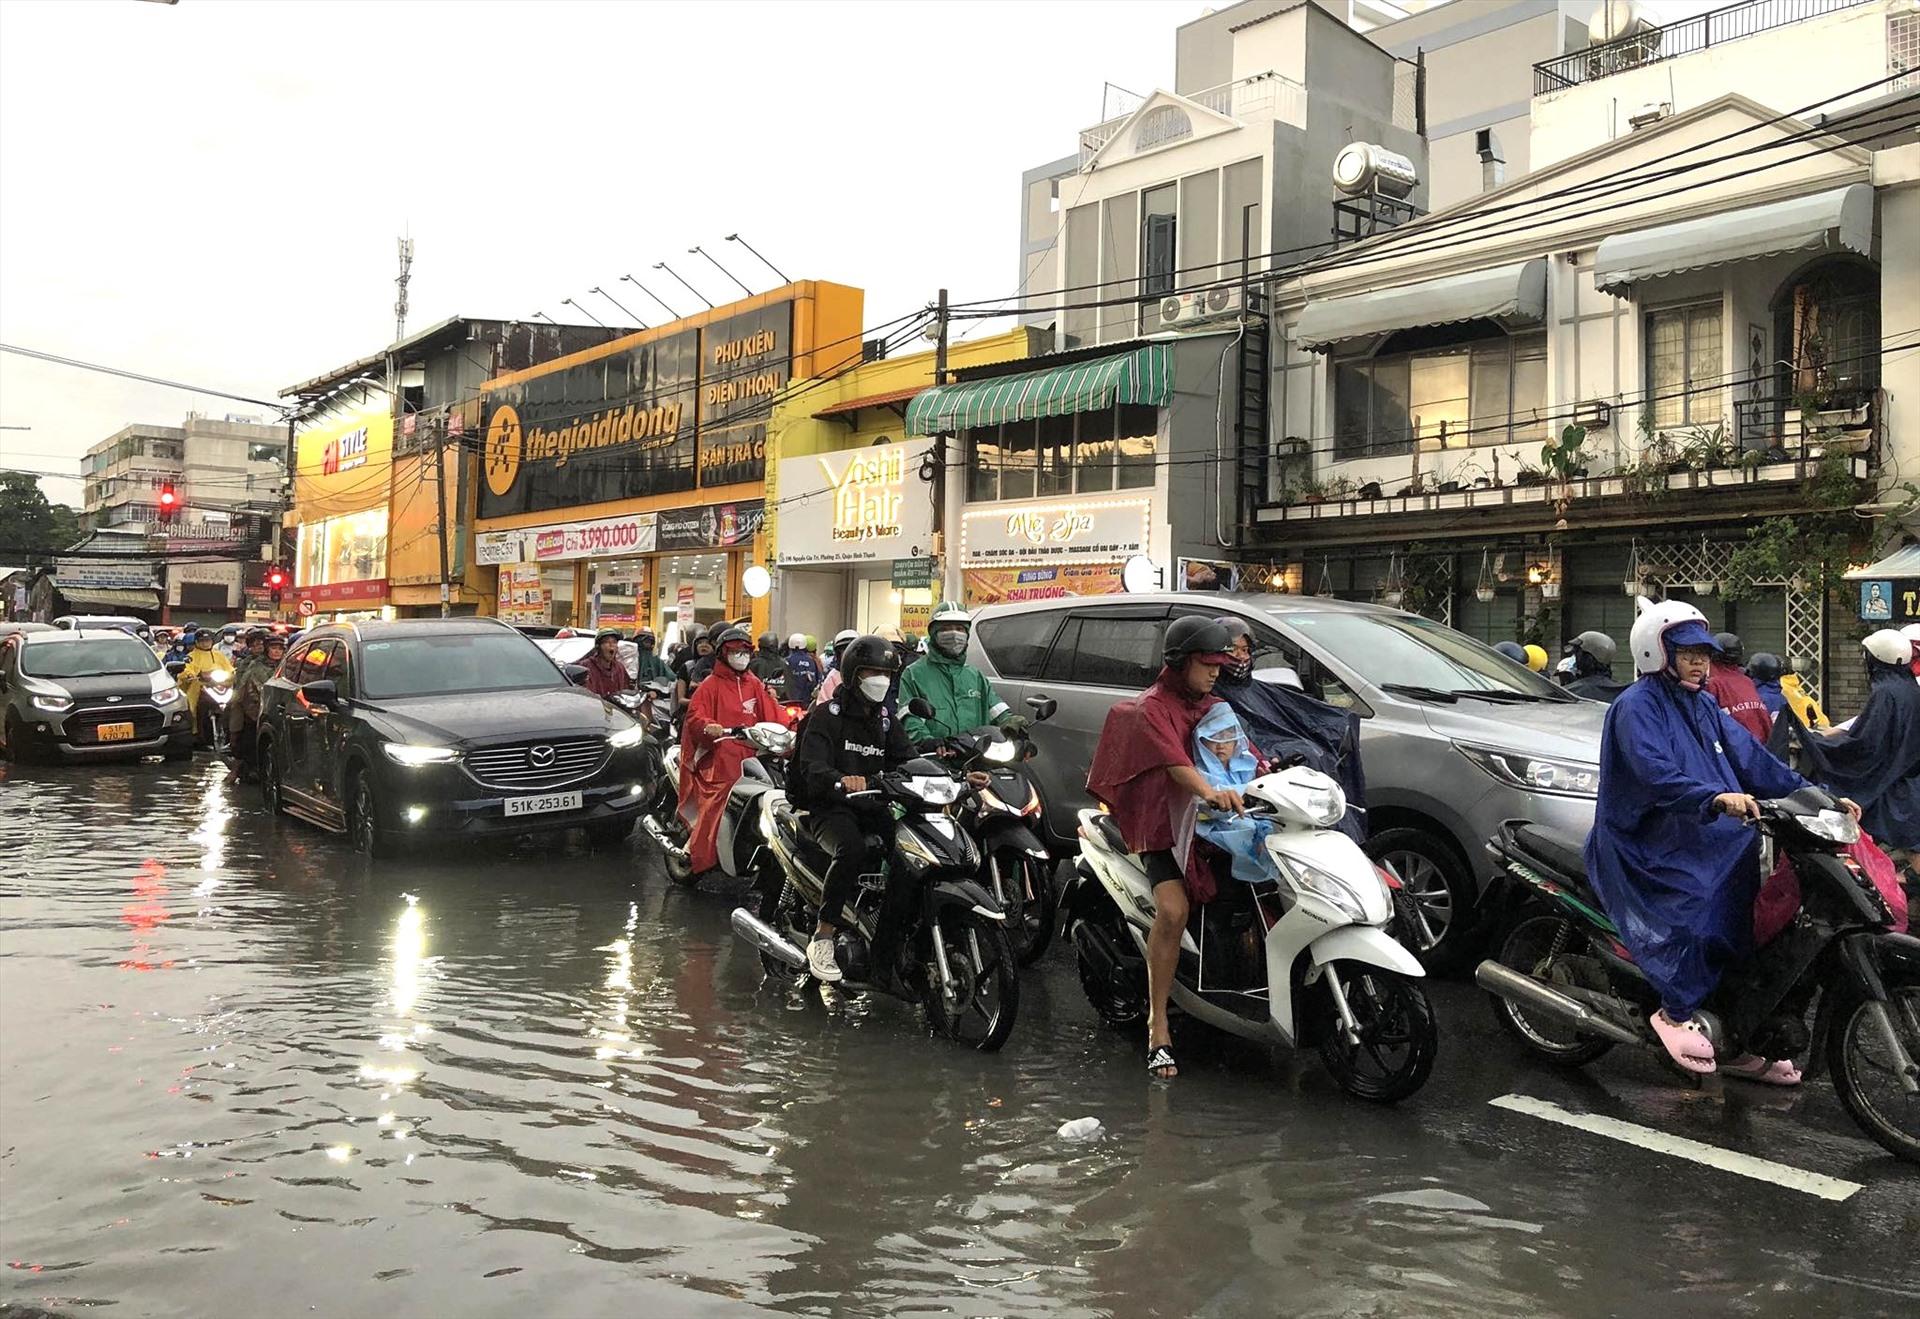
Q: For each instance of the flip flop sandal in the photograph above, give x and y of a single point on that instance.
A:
(1752, 1067)
(1159, 1059)
(1685, 1043)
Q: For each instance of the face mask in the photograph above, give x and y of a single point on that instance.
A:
(736, 661)
(951, 642)
(875, 688)
(1238, 670)
(646, 643)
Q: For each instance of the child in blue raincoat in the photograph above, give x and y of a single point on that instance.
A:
(1226, 759)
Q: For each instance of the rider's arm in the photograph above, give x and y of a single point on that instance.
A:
(900, 748)
(1761, 773)
(1191, 780)
(813, 757)
(918, 729)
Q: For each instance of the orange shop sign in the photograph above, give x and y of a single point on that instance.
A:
(992, 586)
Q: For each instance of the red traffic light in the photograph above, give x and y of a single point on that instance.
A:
(276, 578)
(168, 499)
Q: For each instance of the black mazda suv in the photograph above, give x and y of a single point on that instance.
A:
(443, 728)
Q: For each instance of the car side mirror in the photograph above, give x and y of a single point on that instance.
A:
(920, 706)
(1043, 707)
(321, 694)
(576, 674)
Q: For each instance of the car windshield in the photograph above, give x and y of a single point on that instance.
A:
(1417, 656)
(454, 662)
(88, 658)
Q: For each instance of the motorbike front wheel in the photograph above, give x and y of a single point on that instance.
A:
(1398, 1035)
(1025, 891)
(978, 1001)
(1860, 1060)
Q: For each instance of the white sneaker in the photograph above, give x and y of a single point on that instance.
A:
(820, 963)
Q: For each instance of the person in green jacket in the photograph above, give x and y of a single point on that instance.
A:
(961, 697)
(651, 667)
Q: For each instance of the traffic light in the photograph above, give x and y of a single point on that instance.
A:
(169, 502)
(276, 581)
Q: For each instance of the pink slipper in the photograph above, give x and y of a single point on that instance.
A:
(1686, 1043)
(1752, 1067)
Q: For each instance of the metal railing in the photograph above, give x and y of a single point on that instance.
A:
(1687, 36)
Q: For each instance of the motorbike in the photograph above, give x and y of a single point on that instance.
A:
(210, 710)
(1301, 960)
(743, 838)
(652, 705)
(1004, 819)
(956, 958)
(1566, 987)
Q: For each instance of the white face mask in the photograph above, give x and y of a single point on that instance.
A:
(874, 688)
(737, 661)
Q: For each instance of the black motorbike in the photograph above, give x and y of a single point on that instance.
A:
(1005, 818)
(1566, 987)
(956, 958)
(652, 704)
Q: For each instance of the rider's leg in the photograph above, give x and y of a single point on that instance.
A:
(1163, 942)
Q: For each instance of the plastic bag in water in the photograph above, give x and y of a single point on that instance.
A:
(1081, 1128)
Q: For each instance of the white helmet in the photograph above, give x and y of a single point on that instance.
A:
(1648, 640)
(949, 612)
(798, 641)
(1912, 633)
(1889, 647)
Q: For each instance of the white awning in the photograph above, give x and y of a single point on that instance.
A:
(1903, 562)
(1836, 221)
(1515, 292)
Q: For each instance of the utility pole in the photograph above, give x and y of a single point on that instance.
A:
(940, 340)
(946, 503)
(440, 499)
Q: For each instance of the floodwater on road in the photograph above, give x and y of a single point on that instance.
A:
(244, 1072)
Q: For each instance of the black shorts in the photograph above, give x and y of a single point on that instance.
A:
(1163, 868)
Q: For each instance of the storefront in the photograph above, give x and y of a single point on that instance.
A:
(1043, 551)
(665, 570)
(342, 474)
(627, 484)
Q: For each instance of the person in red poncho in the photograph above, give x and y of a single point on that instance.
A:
(1734, 690)
(1143, 772)
(709, 761)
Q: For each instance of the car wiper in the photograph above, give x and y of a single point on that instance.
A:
(1498, 694)
(1419, 693)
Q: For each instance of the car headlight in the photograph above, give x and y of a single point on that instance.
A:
(402, 754)
(1322, 885)
(166, 695)
(630, 736)
(1834, 826)
(1564, 778)
(1001, 753)
(53, 704)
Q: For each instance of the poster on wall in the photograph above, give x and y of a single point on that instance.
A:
(522, 600)
(684, 603)
(714, 527)
(992, 586)
(1089, 529)
(1208, 575)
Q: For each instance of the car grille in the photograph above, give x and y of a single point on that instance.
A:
(525, 764)
(83, 726)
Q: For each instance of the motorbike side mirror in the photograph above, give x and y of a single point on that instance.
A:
(321, 694)
(1043, 707)
(176, 667)
(576, 674)
(920, 706)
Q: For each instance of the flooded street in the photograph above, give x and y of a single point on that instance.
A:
(243, 1072)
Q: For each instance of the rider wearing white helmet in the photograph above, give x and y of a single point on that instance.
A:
(830, 680)
(803, 670)
(1876, 758)
(1668, 857)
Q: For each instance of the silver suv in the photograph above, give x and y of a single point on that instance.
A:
(88, 694)
(1455, 738)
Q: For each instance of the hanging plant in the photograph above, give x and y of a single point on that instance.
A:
(1484, 591)
(1392, 592)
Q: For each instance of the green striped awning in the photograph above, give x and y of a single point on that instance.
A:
(1144, 375)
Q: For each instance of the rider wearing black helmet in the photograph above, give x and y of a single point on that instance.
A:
(1732, 650)
(768, 664)
(650, 666)
(846, 742)
(1766, 668)
(1734, 690)
(1143, 771)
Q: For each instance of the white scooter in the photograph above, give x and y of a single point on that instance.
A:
(1303, 960)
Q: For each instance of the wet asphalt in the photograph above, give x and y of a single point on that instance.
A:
(244, 1072)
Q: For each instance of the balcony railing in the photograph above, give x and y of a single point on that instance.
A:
(1688, 36)
(1263, 95)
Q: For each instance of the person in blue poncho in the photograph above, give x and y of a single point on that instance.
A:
(1766, 669)
(1876, 758)
(1226, 759)
(1668, 855)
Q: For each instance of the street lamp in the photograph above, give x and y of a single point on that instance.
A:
(661, 265)
(542, 316)
(569, 302)
(651, 294)
(736, 238)
(717, 266)
(616, 302)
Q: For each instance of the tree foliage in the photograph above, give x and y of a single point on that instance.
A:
(28, 523)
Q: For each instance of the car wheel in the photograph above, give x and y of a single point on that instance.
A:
(1437, 919)
(370, 839)
(19, 749)
(269, 778)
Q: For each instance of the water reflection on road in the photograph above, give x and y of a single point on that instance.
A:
(247, 1073)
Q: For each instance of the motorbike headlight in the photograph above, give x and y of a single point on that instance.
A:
(626, 737)
(220, 677)
(1564, 778)
(413, 756)
(1328, 889)
(53, 704)
(935, 791)
(1834, 826)
(1001, 753)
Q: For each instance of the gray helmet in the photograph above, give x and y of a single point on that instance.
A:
(1513, 650)
(1192, 635)
(1596, 644)
(1731, 649)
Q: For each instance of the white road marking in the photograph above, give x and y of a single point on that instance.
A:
(1647, 1138)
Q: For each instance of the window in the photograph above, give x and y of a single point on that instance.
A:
(1109, 648)
(309, 663)
(1684, 365)
(456, 662)
(1158, 247)
(335, 670)
(1168, 123)
(1449, 387)
(1083, 453)
(1018, 643)
(1271, 650)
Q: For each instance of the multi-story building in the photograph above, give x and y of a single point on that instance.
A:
(219, 468)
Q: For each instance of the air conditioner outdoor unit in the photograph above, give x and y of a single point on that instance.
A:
(1180, 311)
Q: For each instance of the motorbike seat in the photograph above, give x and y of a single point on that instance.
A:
(1558, 851)
(1110, 833)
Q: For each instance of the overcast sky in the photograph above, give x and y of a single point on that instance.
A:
(212, 191)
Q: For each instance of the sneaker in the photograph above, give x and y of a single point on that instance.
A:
(820, 963)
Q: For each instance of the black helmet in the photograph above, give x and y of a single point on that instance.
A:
(644, 638)
(768, 641)
(1765, 667)
(731, 635)
(1729, 646)
(256, 634)
(1513, 650)
(869, 652)
(1194, 636)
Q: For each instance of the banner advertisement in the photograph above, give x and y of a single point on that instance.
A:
(522, 600)
(1087, 529)
(684, 605)
(372, 588)
(1207, 575)
(714, 527)
(344, 465)
(992, 586)
(595, 539)
(865, 505)
(105, 574)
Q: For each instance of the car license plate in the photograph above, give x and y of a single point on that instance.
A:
(115, 733)
(552, 801)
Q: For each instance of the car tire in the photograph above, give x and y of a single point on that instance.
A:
(20, 749)
(1438, 881)
(269, 761)
(369, 837)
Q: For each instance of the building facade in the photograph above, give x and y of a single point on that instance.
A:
(626, 484)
